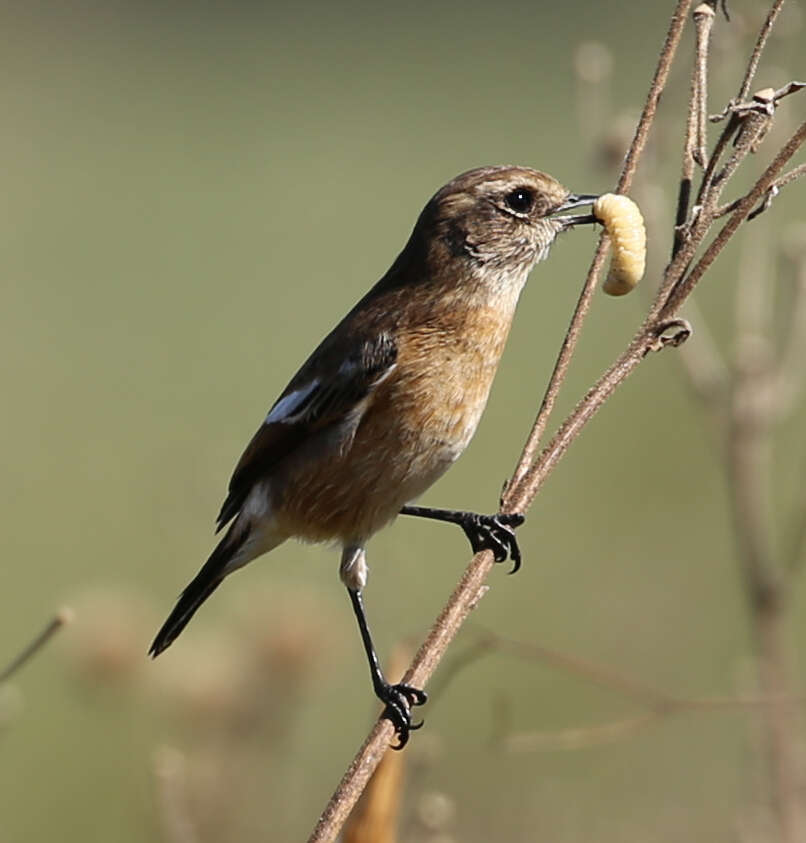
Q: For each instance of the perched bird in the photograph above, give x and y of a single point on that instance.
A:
(391, 397)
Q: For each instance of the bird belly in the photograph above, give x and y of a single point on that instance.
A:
(419, 422)
(349, 495)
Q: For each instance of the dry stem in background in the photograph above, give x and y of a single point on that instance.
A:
(751, 395)
(746, 127)
(60, 619)
(170, 776)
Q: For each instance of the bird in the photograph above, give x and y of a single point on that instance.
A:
(390, 399)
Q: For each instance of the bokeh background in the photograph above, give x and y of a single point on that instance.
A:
(193, 193)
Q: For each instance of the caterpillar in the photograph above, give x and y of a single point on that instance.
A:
(622, 220)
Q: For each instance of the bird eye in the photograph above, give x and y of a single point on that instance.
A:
(520, 200)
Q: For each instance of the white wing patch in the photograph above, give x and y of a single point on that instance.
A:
(344, 392)
(286, 410)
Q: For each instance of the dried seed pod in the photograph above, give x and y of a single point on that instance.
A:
(622, 219)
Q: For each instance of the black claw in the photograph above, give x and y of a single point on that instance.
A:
(485, 532)
(399, 700)
(495, 533)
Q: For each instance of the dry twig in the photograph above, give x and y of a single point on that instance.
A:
(571, 338)
(758, 49)
(60, 619)
(659, 704)
(694, 151)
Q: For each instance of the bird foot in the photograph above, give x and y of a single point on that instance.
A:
(399, 700)
(495, 533)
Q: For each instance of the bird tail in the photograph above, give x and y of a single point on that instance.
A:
(211, 575)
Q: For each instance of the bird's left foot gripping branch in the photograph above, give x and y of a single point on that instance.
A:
(391, 398)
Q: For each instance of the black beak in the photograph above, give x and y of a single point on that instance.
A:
(574, 200)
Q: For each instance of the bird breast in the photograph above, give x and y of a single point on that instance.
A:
(417, 423)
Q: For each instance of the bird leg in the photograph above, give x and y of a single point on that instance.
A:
(485, 532)
(399, 699)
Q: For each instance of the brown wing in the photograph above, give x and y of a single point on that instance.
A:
(327, 391)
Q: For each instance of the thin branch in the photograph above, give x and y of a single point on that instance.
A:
(683, 289)
(731, 127)
(625, 181)
(584, 737)
(750, 420)
(668, 52)
(60, 619)
(755, 57)
(753, 127)
(789, 88)
(560, 371)
(580, 737)
(651, 338)
(766, 100)
(694, 144)
(660, 704)
(763, 104)
(626, 686)
(748, 131)
(772, 193)
(704, 21)
(749, 123)
(791, 175)
(788, 380)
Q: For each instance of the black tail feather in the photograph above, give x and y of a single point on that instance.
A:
(198, 590)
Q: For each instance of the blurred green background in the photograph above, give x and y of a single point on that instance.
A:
(193, 194)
